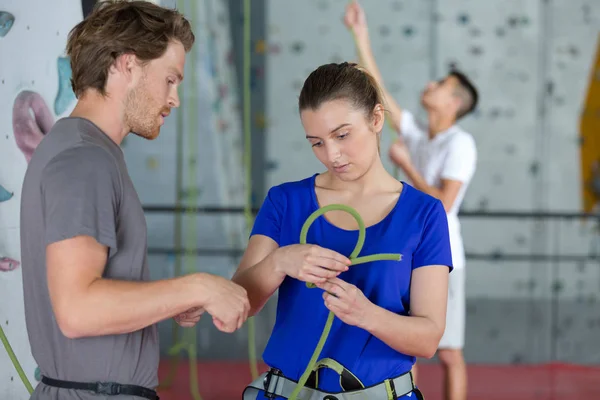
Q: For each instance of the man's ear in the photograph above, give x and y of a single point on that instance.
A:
(125, 65)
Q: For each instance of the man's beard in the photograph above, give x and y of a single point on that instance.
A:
(140, 118)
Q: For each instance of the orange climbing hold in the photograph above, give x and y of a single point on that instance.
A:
(590, 139)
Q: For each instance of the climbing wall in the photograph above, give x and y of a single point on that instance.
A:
(34, 92)
(533, 63)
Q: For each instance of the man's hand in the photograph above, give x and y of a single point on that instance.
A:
(226, 301)
(399, 154)
(355, 19)
(189, 318)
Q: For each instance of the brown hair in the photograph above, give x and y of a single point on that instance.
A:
(117, 27)
(345, 81)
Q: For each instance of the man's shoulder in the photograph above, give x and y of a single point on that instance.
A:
(461, 139)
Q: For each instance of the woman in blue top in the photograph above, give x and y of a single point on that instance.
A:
(387, 312)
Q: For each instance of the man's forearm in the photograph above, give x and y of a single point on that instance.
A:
(260, 281)
(115, 307)
(416, 336)
(367, 59)
(419, 182)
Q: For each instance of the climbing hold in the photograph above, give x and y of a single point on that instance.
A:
(513, 21)
(271, 165)
(475, 32)
(274, 49)
(222, 125)
(29, 130)
(260, 47)
(8, 264)
(37, 374)
(152, 163)
(384, 30)
(297, 47)
(4, 194)
(260, 121)
(476, 50)
(6, 22)
(463, 18)
(408, 31)
(65, 95)
(589, 151)
(534, 168)
(223, 90)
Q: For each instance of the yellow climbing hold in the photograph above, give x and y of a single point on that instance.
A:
(590, 138)
(260, 47)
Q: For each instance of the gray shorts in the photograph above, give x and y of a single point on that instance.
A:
(454, 335)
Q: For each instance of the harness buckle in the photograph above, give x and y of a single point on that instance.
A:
(270, 389)
(108, 388)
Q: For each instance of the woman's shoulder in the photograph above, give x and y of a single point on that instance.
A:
(297, 187)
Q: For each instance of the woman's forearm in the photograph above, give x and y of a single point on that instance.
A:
(260, 281)
(412, 335)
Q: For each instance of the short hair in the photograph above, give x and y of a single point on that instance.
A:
(466, 91)
(117, 27)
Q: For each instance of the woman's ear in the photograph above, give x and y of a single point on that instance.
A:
(378, 118)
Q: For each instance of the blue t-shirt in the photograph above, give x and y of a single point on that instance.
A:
(416, 227)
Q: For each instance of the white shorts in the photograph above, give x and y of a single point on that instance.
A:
(454, 335)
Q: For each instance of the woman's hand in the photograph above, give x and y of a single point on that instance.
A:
(189, 318)
(347, 302)
(310, 263)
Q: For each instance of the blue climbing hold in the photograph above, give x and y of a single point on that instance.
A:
(463, 18)
(37, 374)
(6, 22)
(4, 194)
(65, 95)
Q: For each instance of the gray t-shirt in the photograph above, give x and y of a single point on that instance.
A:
(77, 184)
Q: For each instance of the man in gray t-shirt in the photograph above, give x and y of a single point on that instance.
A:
(90, 309)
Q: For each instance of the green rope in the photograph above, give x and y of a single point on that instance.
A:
(248, 169)
(188, 342)
(191, 236)
(175, 328)
(15, 361)
(354, 261)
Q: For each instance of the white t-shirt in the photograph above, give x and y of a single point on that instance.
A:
(449, 155)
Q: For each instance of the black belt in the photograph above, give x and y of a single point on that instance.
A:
(106, 388)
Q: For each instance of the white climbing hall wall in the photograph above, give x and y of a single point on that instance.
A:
(34, 93)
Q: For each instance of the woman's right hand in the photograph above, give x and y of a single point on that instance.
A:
(309, 262)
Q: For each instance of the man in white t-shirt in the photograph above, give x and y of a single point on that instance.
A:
(439, 158)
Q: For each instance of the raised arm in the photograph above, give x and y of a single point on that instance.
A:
(81, 193)
(355, 19)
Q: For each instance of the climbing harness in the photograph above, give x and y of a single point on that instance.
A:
(275, 384)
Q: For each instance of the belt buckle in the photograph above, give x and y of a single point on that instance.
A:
(108, 388)
(267, 382)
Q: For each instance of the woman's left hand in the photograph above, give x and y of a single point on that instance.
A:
(346, 301)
